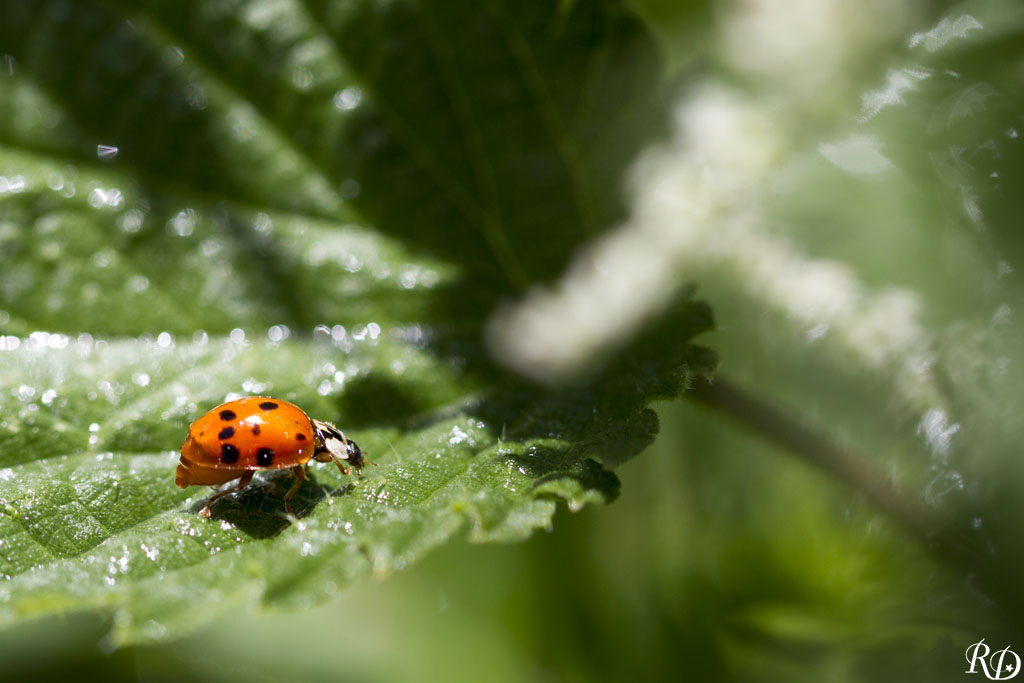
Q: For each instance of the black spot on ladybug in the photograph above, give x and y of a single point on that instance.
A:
(227, 415)
(255, 430)
(228, 453)
(264, 456)
(300, 437)
(226, 433)
(268, 405)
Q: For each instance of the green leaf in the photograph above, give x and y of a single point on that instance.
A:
(90, 518)
(245, 135)
(319, 202)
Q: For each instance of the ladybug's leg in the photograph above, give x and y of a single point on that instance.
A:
(345, 469)
(242, 483)
(300, 476)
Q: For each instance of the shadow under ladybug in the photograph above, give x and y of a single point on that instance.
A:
(259, 509)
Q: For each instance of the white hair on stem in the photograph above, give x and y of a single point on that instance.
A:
(698, 208)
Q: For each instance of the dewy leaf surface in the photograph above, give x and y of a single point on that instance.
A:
(90, 517)
(316, 201)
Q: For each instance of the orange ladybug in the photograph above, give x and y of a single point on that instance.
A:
(237, 438)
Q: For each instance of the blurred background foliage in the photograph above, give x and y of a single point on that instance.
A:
(841, 180)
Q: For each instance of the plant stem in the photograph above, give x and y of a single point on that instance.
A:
(934, 529)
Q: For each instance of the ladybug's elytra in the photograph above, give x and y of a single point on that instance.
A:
(239, 437)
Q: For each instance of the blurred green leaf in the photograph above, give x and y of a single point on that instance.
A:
(219, 145)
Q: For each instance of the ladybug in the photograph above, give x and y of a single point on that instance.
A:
(237, 438)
